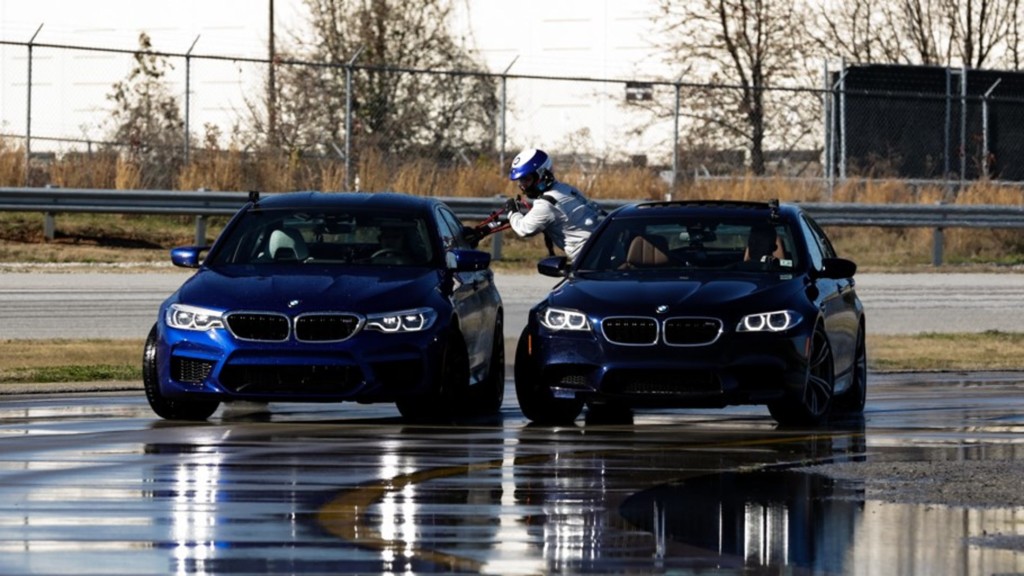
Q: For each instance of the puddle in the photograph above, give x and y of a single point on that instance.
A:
(774, 519)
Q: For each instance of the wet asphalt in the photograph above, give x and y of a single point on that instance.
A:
(94, 483)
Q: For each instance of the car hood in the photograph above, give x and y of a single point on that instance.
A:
(680, 296)
(351, 290)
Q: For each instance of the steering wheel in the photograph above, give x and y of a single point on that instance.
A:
(387, 252)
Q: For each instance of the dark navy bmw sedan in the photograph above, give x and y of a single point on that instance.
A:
(328, 297)
(698, 304)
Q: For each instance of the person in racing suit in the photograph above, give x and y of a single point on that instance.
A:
(560, 211)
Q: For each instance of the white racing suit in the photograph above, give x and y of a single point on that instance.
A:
(564, 214)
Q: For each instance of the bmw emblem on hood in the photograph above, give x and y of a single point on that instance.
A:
(661, 309)
(294, 303)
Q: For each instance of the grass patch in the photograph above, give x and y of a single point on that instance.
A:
(70, 360)
(991, 350)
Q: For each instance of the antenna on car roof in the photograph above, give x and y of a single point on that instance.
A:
(773, 205)
(254, 197)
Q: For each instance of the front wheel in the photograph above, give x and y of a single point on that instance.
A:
(490, 393)
(165, 407)
(853, 400)
(448, 386)
(811, 406)
(535, 398)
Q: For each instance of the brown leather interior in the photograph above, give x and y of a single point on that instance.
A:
(644, 253)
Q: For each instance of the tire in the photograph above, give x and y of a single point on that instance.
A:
(853, 400)
(535, 398)
(448, 390)
(165, 407)
(490, 393)
(811, 407)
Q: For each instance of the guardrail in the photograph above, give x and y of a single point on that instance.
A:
(202, 204)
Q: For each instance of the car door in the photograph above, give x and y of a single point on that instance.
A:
(470, 295)
(838, 300)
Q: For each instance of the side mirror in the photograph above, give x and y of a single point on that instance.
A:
(556, 266)
(187, 256)
(462, 260)
(836, 268)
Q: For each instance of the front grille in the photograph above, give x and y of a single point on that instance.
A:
(263, 326)
(290, 380)
(692, 331)
(630, 331)
(190, 370)
(325, 327)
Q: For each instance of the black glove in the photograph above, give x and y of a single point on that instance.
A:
(472, 235)
(513, 205)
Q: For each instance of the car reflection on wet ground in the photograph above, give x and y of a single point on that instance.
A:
(93, 484)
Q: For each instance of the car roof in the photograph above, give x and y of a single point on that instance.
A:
(366, 200)
(712, 208)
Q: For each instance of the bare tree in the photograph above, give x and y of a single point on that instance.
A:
(879, 31)
(750, 45)
(146, 120)
(972, 33)
(981, 28)
(385, 45)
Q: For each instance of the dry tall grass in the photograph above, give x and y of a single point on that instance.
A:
(86, 170)
(12, 164)
(482, 177)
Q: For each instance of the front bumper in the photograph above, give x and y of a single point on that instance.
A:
(369, 367)
(735, 369)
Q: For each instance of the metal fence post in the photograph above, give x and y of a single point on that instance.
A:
(675, 144)
(842, 119)
(963, 125)
(28, 113)
(984, 128)
(826, 148)
(504, 112)
(188, 94)
(946, 134)
(348, 118)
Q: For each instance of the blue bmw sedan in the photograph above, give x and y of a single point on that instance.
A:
(329, 297)
(698, 304)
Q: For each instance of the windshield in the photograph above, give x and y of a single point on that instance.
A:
(691, 244)
(326, 237)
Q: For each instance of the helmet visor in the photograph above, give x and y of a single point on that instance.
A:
(527, 182)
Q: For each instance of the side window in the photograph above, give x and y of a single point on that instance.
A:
(818, 246)
(826, 246)
(451, 230)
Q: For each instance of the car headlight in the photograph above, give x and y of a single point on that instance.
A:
(769, 321)
(193, 318)
(562, 319)
(403, 321)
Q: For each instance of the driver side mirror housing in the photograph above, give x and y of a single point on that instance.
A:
(555, 266)
(188, 256)
(836, 268)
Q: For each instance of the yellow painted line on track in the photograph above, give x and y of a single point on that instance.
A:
(344, 516)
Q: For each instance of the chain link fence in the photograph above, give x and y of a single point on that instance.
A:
(241, 123)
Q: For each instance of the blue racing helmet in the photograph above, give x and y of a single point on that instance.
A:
(532, 161)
